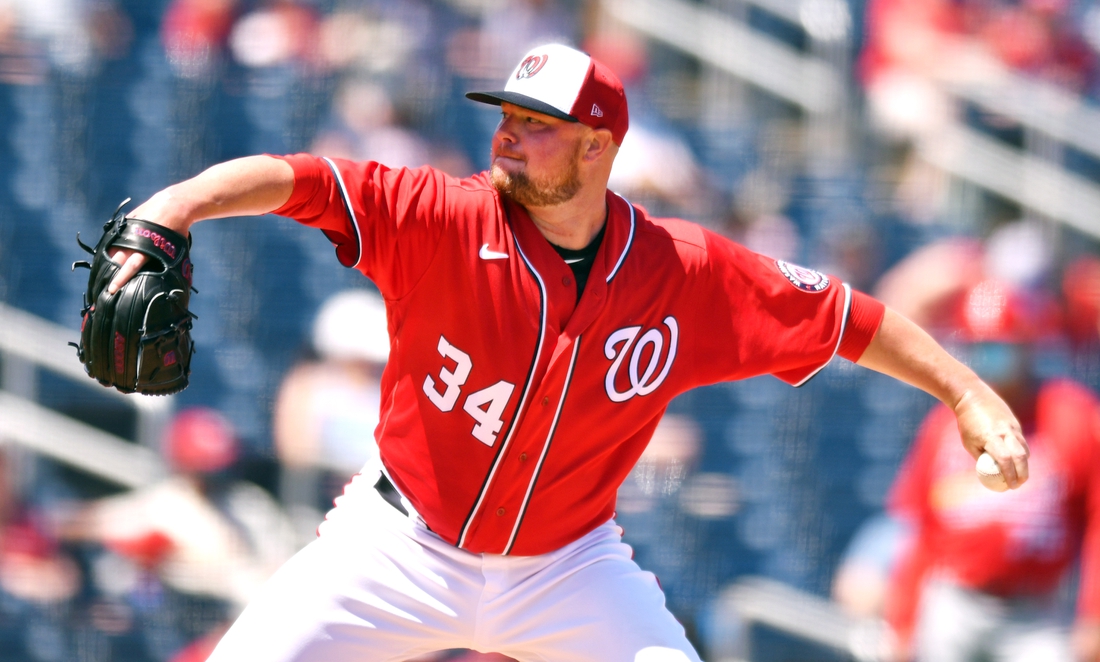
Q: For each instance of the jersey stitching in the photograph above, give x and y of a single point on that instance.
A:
(840, 339)
(545, 448)
(629, 242)
(348, 208)
(522, 400)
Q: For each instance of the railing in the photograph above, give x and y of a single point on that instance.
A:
(756, 601)
(28, 343)
(712, 37)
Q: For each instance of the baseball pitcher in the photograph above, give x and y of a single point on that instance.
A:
(539, 326)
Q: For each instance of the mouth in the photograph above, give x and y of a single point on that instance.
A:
(508, 157)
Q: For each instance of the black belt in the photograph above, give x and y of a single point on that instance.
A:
(390, 494)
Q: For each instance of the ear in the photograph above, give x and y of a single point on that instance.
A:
(597, 144)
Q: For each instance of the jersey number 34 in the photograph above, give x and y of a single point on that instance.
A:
(485, 406)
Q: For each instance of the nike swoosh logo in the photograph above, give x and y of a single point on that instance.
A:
(486, 254)
(574, 260)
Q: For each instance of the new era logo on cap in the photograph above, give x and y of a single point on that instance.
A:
(565, 83)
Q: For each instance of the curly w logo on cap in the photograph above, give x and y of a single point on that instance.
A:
(567, 84)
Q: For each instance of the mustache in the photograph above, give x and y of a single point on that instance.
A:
(508, 154)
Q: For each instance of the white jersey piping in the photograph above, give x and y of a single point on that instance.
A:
(519, 408)
(347, 207)
(629, 242)
(843, 329)
(545, 448)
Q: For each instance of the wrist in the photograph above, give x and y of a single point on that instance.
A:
(964, 388)
(167, 208)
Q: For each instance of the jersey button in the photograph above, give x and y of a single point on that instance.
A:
(546, 401)
(523, 457)
(500, 512)
(566, 281)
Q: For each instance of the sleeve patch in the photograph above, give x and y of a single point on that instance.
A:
(804, 279)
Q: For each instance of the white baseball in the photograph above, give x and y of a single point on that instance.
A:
(990, 474)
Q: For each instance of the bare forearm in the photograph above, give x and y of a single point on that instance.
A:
(247, 186)
(903, 350)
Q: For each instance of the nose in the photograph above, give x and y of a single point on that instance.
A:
(506, 130)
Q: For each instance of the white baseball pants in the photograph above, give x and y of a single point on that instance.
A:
(961, 625)
(378, 586)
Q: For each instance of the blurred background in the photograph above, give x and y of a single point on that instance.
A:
(913, 148)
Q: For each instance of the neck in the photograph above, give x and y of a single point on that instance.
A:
(573, 224)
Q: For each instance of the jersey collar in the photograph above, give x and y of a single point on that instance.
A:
(619, 237)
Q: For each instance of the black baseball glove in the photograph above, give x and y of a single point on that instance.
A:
(139, 338)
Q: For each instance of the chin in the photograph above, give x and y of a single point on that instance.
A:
(501, 178)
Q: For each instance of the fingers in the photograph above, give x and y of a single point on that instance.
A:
(1011, 453)
(131, 264)
(988, 425)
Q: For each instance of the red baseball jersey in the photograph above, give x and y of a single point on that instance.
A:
(1014, 543)
(511, 411)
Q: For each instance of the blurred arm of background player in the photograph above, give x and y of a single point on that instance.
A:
(248, 186)
(256, 185)
(904, 351)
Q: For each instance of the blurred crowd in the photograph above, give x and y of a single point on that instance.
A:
(105, 99)
(914, 43)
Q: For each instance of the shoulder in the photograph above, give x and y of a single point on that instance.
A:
(701, 249)
(672, 230)
(692, 244)
(478, 183)
(473, 193)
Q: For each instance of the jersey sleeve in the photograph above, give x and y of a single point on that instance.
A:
(783, 319)
(385, 222)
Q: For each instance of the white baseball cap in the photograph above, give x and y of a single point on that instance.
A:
(351, 325)
(565, 83)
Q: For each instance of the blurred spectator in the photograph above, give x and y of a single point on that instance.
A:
(278, 32)
(327, 407)
(1081, 292)
(66, 35)
(367, 128)
(38, 578)
(194, 33)
(980, 578)
(658, 170)
(202, 532)
(33, 567)
(757, 220)
(910, 42)
(505, 33)
(861, 582)
(912, 45)
(664, 466)
(370, 38)
(923, 284)
(926, 284)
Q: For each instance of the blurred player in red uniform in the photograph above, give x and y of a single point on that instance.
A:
(980, 578)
